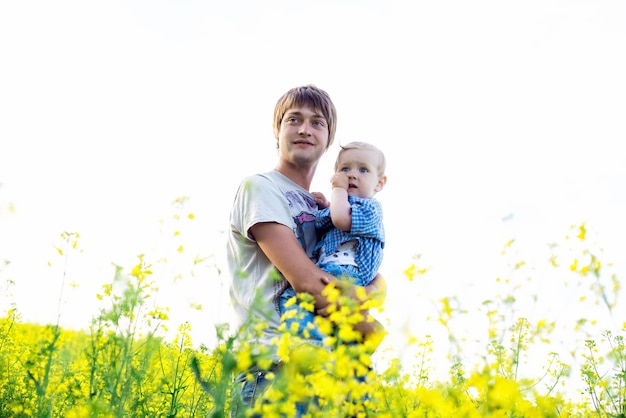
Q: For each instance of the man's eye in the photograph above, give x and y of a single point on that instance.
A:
(318, 123)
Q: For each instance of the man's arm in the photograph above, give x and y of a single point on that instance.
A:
(281, 247)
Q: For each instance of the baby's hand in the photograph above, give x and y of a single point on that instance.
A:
(340, 180)
(321, 200)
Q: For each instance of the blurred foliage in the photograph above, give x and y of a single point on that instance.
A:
(123, 366)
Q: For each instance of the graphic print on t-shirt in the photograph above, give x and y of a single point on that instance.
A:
(304, 220)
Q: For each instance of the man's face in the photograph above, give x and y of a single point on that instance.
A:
(303, 136)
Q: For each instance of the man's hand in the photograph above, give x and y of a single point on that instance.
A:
(372, 331)
(375, 292)
(370, 328)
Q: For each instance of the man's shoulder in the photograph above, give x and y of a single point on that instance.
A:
(259, 178)
(269, 177)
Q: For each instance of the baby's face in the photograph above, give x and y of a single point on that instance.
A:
(361, 167)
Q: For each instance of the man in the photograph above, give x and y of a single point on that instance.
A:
(272, 235)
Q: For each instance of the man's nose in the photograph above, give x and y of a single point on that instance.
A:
(304, 128)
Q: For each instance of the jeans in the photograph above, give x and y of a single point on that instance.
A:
(247, 392)
(302, 317)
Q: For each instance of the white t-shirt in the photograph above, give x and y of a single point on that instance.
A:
(267, 197)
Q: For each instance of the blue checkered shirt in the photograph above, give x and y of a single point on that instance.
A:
(367, 229)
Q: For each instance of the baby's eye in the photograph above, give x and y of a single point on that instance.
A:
(364, 170)
(345, 170)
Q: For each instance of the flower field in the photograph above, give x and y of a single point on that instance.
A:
(124, 366)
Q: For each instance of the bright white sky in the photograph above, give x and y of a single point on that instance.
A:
(499, 120)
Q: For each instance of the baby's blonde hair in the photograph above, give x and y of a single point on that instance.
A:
(382, 162)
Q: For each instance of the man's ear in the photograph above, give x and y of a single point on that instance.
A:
(381, 183)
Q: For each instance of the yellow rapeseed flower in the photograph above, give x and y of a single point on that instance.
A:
(244, 359)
